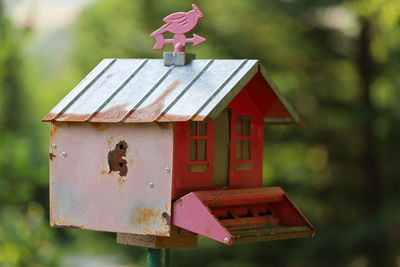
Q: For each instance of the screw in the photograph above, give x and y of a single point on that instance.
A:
(64, 154)
(226, 240)
(168, 169)
(54, 146)
(151, 185)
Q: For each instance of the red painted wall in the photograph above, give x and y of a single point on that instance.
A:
(184, 180)
(243, 105)
(256, 100)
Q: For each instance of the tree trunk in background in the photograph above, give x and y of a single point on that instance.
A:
(375, 248)
(10, 78)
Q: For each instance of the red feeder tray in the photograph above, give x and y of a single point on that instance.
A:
(234, 216)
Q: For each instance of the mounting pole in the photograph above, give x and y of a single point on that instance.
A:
(158, 257)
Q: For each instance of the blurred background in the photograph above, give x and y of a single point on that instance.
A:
(337, 62)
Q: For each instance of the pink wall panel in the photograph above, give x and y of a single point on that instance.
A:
(85, 194)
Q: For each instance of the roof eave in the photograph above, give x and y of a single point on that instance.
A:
(231, 95)
(295, 118)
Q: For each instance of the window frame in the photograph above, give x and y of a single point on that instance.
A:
(242, 163)
(243, 137)
(200, 164)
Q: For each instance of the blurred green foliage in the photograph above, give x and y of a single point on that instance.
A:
(336, 61)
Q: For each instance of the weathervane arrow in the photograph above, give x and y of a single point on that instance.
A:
(177, 41)
(179, 24)
(196, 40)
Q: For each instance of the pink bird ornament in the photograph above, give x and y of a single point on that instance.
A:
(179, 24)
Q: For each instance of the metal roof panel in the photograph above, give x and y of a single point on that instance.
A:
(100, 91)
(201, 92)
(135, 91)
(169, 92)
(85, 84)
(144, 90)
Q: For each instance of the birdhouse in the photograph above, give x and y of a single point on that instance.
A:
(164, 150)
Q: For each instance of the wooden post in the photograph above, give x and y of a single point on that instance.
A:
(158, 257)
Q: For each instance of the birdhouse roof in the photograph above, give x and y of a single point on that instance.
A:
(144, 90)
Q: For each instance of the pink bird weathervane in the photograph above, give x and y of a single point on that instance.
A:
(179, 24)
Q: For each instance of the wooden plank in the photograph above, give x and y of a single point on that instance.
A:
(242, 196)
(221, 149)
(270, 234)
(250, 222)
(179, 238)
(270, 231)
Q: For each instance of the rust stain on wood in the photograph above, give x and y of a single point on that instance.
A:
(53, 130)
(64, 222)
(116, 159)
(71, 123)
(52, 156)
(158, 233)
(68, 226)
(167, 218)
(148, 232)
(111, 140)
(144, 216)
(100, 126)
(164, 125)
(121, 180)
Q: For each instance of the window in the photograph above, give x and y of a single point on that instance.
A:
(243, 141)
(198, 161)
